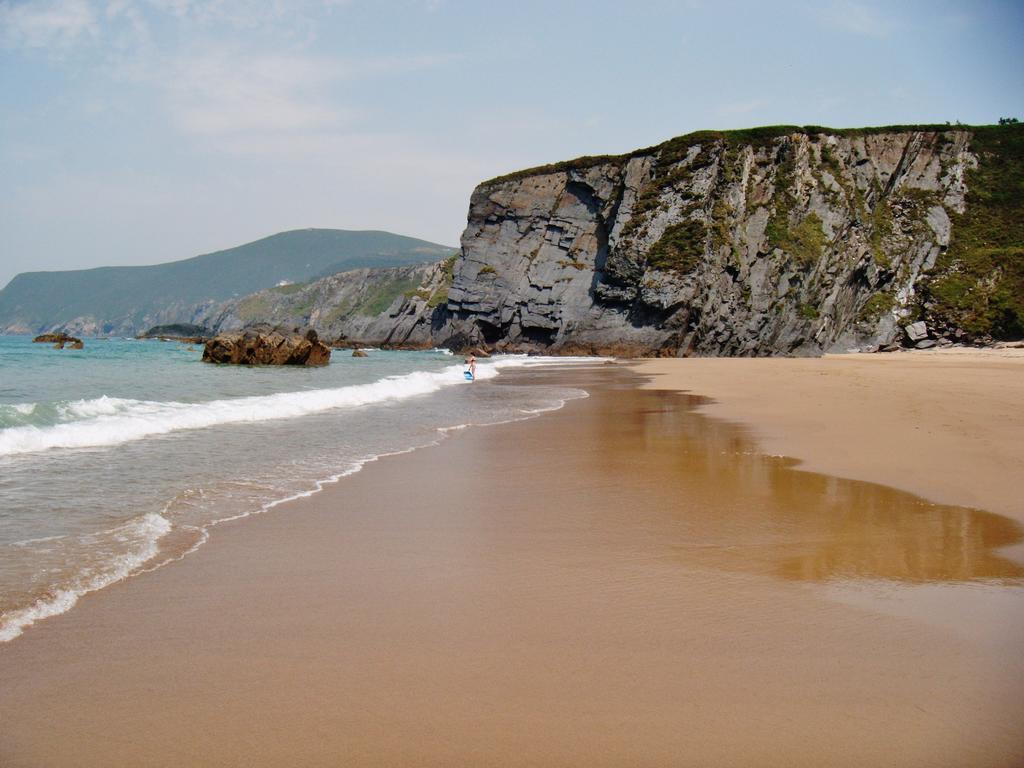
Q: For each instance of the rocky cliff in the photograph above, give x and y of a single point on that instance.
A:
(391, 307)
(767, 241)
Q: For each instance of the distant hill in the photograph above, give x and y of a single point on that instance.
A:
(126, 300)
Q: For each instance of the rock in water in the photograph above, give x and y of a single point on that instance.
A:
(186, 333)
(267, 345)
(59, 340)
(359, 353)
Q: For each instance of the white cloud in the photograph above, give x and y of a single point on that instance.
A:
(279, 101)
(56, 24)
(227, 94)
(858, 18)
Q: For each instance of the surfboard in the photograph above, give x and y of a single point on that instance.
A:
(468, 375)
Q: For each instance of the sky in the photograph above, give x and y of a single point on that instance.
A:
(143, 131)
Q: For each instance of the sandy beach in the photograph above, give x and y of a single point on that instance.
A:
(945, 425)
(635, 579)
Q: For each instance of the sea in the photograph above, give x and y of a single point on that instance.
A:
(124, 456)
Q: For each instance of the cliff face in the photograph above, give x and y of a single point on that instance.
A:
(395, 306)
(769, 241)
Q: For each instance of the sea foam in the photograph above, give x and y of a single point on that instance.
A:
(109, 421)
(143, 534)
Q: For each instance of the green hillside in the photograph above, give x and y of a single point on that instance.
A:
(131, 297)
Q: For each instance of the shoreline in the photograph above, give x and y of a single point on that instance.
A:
(173, 543)
(617, 581)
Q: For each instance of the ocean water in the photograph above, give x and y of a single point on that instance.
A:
(125, 455)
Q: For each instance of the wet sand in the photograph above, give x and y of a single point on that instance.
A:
(623, 582)
(944, 424)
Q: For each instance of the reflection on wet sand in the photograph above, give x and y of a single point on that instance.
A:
(741, 510)
(621, 582)
(818, 528)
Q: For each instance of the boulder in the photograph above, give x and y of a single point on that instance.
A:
(925, 344)
(187, 333)
(58, 340)
(267, 345)
(916, 331)
(359, 353)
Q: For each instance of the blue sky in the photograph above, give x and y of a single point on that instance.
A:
(140, 131)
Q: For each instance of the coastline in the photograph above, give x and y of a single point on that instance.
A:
(621, 580)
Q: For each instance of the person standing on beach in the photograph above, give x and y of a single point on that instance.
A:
(471, 362)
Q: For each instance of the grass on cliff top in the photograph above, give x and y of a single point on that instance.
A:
(758, 136)
(978, 283)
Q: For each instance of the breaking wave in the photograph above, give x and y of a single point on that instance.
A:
(108, 421)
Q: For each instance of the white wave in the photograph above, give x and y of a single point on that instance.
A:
(100, 406)
(107, 421)
(143, 533)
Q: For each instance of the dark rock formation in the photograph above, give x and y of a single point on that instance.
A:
(59, 340)
(768, 241)
(267, 345)
(392, 307)
(184, 332)
(791, 242)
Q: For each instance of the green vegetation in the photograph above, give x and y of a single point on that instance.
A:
(448, 267)
(290, 288)
(759, 136)
(304, 308)
(978, 283)
(253, 308)
(876, 306)
(720, 233)
(681, 247)
(440, 296)
(881, 227)
(336, 312)
(381, 296)
(117, 294)
(809, 312)
(805, 242)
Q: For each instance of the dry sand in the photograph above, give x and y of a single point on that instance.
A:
(623, 582)
(946, 425)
